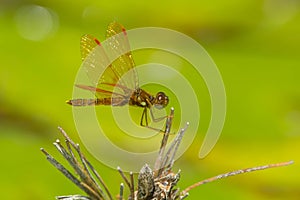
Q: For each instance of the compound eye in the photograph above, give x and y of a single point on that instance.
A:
(160, 96)
(161, 100)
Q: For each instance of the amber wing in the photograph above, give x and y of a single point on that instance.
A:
(107, 63)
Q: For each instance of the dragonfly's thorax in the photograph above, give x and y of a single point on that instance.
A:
(141, 98)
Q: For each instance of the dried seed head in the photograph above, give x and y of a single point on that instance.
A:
(145, 183)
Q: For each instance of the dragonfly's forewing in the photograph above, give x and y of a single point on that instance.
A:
(95, 62)
(107, 76)
(119, 48)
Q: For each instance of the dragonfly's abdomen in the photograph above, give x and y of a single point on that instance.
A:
(89, 102)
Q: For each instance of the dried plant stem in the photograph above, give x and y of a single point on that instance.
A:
(157, 184)
(121, 191)
(85, 161)
(168, 160)
(73, 197)
(130, 183)
(233, 173)
(164, 141)
(69, 175)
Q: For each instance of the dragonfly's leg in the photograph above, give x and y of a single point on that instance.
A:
(168, 121)
(152, 115)
(159, 118)
(144, 115)
(146, 120)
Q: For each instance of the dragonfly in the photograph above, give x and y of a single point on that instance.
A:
(118, 83)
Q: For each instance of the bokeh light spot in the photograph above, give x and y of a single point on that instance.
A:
(35, 22)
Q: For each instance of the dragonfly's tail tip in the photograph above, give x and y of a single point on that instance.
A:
(291, 162)
(69, 102)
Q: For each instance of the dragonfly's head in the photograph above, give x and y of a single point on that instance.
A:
(161, 100)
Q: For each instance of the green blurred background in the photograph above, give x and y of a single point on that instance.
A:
(255, 44)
